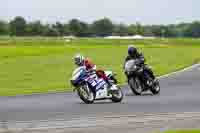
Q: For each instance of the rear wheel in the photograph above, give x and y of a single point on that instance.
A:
(85, 94)
(117, 95)
(135, 85)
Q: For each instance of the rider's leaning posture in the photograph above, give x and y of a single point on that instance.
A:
(134, 54)
(80, 60)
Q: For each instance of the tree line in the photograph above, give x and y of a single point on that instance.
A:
(99, 28)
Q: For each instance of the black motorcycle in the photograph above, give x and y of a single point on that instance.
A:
(140, 78)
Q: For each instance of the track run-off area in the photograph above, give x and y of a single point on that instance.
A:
(178, 100)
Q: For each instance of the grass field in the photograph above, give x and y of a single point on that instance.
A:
(183, 131)
(37, 65)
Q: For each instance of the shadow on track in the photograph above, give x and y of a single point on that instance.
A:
(144, 94)
(99, 102)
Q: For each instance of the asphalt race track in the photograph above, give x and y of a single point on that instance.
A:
(179, 93)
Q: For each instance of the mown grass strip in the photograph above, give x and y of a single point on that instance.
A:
(45, 65)
(184, 131)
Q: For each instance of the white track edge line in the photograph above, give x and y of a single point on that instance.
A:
(179, 71)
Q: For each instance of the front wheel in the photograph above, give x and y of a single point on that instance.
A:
(85, 94)
(135, 85)
(117, 95)
(155, 88)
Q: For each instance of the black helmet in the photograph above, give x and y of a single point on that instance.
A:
(132, 51)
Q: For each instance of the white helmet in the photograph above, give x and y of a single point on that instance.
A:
(79, 59)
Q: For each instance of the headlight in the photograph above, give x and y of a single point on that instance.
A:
(134, 67)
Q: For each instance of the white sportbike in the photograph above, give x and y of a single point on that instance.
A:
(90, 87)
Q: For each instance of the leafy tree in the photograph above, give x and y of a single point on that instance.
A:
(181, 28)
(120, 30)
(48, 30)
(66, 29)
(34, 28)
(85, 29)
(102, 27)
(193, 30)
(18, 26)
(3, 28)
(78, 28)
(131, 29)
(148, 30)
(60, 28)
(139, 29)
(158, 30)
(171, 31)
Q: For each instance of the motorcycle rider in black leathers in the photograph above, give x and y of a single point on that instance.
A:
(133, 54)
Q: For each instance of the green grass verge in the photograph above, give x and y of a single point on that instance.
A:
(38, 65)
(184, 131)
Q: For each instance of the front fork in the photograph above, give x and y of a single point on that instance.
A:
(148, 79)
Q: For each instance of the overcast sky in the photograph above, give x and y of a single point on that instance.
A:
(126, 11)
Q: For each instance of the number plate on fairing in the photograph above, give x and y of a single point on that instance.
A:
(96, 83)
(100, 84)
